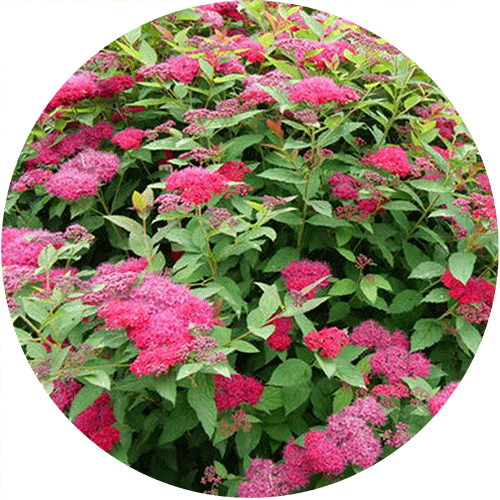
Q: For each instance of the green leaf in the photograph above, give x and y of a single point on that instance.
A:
(201, 399)
(347, 254)
(130, 225)
(271, 399)
(188, 369)
(437, 295)
(282, 175)
(147, 53)
(182, 419)
(246, 442)
(322, 207)
(343, 397)
(427, 270)
(462, 265)
(405, 301)
(291, 372)
(281, 259)
(270, 301)
(349, 373)
(343, 287)
(327, 365)
(323, 220)
(369, 289)
(84, 398)
(165, 386)
(427, 332)
(469, 335)
(404, 206)
(242, 346)
(294, 396)
(99, 378)
(133, 35)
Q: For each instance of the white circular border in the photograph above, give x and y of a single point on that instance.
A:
(43, 43)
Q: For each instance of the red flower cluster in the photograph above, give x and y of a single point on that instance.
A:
(329, 340)
(96, 422)
(391, 158)
(280, 339)
(196, 184)
(303, 273)
(233, 391)
(475, 297)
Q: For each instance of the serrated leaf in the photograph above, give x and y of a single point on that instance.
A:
(271, 399)
(343, 397)
(201, 399)
(427, 332)
(469, 335)
(294, 396)
(282, 175)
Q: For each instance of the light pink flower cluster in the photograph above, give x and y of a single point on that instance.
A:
(181, 68)
(330, 341)
(96, 422)
(301, 274)
(196, 184)
(347, 439)
(393, 159)
(159, 316)
(392, 358)
(475, 297)
(438, 401)
(235, 390)
(320, 90)
(80, 176)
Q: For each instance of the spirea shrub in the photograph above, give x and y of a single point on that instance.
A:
(249, 249)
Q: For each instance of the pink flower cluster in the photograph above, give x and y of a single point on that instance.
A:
(159, 316)
(130, 138)
(391, 158)
(321, 54)
(347, 439)
(392, 358)
(80, 176)
(232, 391)
(475, 297)
(86, 85)
(320, 90)
(280, 339)
(64, 393)
(53, 148)
(96, 422)
(196, 184)
(329, 340)
(301, 274)
(344, 186)
(181, 68)
(438, 401)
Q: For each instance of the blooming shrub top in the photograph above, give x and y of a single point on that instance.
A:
(255, 236)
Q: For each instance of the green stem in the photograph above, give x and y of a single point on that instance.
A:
(210, 256)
